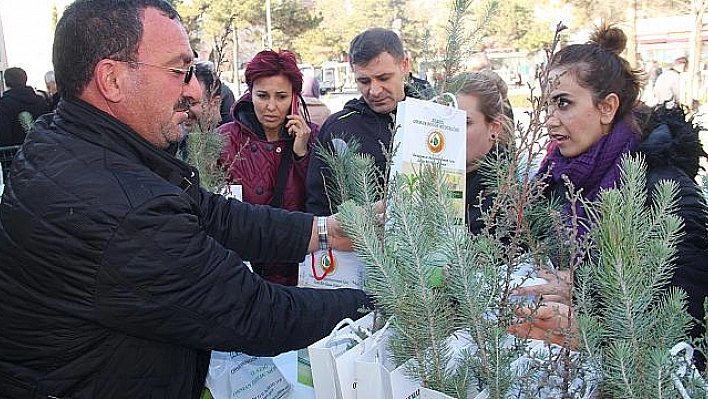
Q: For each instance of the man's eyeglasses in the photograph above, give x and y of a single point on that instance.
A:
(185, 104)
(188, 73)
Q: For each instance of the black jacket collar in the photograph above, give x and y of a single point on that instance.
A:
(93, 125)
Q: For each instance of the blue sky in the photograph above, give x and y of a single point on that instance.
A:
(28, 35)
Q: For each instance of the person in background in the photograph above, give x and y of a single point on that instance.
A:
(503, 90)
(381, 69)
(18, 100)
(319, 112)
(118, 273)
(431, 76)
(227, 96)
(421, 86)
(206, 113)
(51, 95)
(489, 131)
(594, 119)
(227, 102)
(667, 87)
(203, 114)
(269, 144)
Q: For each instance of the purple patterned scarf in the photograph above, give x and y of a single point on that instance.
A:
(594, 170)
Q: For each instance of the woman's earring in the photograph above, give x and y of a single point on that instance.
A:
(493, 137)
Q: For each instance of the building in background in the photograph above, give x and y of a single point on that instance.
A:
(664, 39)
(3, 58)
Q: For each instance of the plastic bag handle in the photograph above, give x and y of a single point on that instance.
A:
(335, 330)
(377, 336)
(686, 368)
(349, 335)
(452, 109)
(335, 340)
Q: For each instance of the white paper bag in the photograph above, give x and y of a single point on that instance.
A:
(236, 375)
(402, 386)
(332, 358)
(340, 270)
(405, 387)
(233, 191)
(433, 133)
(372, 369)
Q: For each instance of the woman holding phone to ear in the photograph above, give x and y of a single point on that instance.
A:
(269, 143)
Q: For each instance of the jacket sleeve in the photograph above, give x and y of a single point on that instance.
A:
(256, 232)
(164, 278)
(316, 200)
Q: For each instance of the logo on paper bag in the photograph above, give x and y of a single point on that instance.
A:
(328, 264)
(436, 141)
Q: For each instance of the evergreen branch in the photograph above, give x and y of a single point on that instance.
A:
(26, 121)
(337, 159)
(410, 230)
(204, 147)
(381, 275)
(460, 41)
(630, 267)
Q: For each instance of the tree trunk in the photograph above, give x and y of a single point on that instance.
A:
(234, 61)
(698, 8)
(632, 57)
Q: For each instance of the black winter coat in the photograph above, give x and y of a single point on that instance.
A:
(119, 274)
(671, 151)
(370, 129)
(12, 103)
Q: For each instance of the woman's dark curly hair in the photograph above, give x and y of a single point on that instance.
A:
(597, 66)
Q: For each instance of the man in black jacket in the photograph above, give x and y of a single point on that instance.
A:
(118, 273)
(18, 99)
(381, 70)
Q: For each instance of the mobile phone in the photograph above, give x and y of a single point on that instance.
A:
(294, 105)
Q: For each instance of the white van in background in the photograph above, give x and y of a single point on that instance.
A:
(307, 69)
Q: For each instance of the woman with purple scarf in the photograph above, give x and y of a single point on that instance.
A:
(594, 119)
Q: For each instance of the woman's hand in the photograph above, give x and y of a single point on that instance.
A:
(297, 127)
(551, 322)
(558, 289)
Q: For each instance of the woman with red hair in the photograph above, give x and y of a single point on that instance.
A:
(269, 144)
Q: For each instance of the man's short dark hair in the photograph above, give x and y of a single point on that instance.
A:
(15, 77)
(368, 44)
(92, 30)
